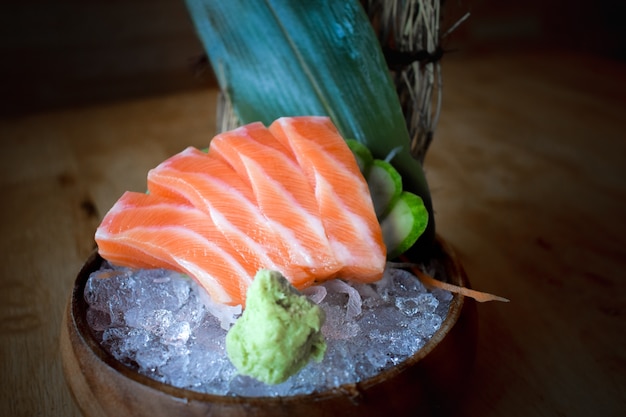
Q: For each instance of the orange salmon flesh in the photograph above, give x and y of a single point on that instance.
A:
(289, 198)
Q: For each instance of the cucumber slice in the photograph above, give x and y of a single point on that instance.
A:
(404, 224)
(402, 215)
(362, 154)
(385, 185)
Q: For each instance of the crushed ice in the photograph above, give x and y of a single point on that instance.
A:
(165, 326)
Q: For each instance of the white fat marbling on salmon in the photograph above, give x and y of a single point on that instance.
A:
(237, 214)
(341, 192)
(170, 232)
(289, 198)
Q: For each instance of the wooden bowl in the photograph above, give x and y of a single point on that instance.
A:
(429, 383)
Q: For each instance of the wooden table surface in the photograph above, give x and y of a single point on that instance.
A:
(528, 179)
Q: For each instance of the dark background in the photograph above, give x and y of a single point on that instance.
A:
(73, 53)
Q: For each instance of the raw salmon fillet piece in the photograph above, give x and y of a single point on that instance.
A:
(281, 191)
(345, 205)
(141, 230)
(211, 185)
(289, 198)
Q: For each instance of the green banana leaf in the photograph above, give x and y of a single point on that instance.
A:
(275, 58)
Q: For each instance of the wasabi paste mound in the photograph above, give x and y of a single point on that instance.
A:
(278, 332)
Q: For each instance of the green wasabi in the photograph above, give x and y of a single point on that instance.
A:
(278, 332)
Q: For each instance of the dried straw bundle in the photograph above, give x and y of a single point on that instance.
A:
(408, 31)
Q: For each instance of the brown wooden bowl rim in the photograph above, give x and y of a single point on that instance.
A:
(79, 320)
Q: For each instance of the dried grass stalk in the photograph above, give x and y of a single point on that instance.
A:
(408, 31)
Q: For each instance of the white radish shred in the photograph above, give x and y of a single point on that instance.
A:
(227, 315)
(316, 293)
(365, 290)
(353, 307)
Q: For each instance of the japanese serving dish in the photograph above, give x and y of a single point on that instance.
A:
(421, 385)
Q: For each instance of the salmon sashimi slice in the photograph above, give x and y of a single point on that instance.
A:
(282, 192)
(212, 186)
(177, 237)
(342, 193)
(289, 197)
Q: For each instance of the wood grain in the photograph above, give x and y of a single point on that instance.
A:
(528, 176)
(527, 172)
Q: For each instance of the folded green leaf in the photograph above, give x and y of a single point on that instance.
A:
(277, 58)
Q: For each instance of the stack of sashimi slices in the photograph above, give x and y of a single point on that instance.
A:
(289, 197)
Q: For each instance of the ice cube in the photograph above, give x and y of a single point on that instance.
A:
(98, 320)
(408, 305)
(137, 340)
(377, 358)
(405, 283)
(428, 324)
(135, 317)
(158, 322)
(426, 302)
(176, 370)
(177, 334)
(151, 356)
